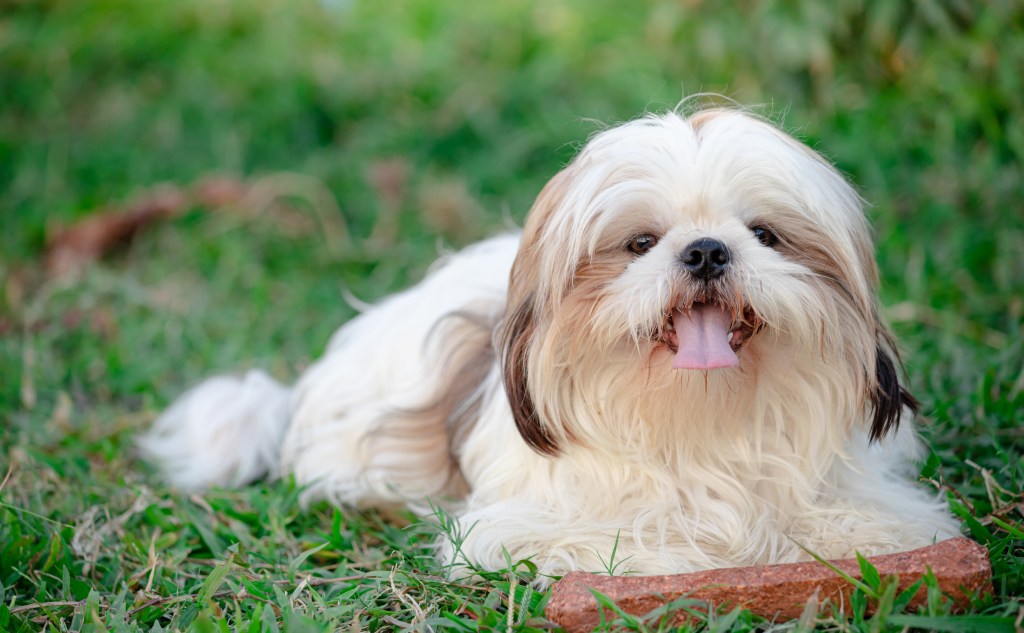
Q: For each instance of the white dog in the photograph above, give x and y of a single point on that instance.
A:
(680, 360)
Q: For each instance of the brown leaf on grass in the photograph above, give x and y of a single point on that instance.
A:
(69, 248)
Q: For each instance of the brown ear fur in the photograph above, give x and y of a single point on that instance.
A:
(517, 333)
(522, 315)
(888, 395)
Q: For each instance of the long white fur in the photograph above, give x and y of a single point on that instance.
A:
(675, 471)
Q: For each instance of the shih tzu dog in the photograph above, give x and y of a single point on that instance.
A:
(680, 359)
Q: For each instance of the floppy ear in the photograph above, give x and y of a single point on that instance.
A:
(524, 311)
(888, 395)
(517, 335)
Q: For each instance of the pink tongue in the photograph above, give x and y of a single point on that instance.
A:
(703, 338)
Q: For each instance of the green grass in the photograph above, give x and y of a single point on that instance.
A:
(478, 104)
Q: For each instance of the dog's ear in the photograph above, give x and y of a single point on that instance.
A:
(524, 313)
(888, 395)
(517, 335)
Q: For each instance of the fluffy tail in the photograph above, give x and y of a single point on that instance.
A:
(225, 432)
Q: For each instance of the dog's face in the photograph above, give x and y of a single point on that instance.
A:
(675, 252)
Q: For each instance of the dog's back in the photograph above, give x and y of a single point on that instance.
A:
(376, 419)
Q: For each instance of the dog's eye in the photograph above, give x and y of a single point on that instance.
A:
(765, 236)
(641, 244)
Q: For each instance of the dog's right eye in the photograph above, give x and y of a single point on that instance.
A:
(765, 236)
(641, 244)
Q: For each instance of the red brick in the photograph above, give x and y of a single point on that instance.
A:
(773, 591)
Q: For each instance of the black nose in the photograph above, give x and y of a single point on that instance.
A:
(705, 258)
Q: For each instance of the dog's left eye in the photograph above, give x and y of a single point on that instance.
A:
(641, 244)
(765, 235)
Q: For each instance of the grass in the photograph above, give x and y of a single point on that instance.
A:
(470, 108)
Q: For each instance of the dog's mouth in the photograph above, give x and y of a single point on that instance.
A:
(707, 335)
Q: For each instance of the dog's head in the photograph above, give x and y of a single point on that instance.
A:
(673, 249)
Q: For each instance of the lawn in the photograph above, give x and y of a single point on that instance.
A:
(353, 140)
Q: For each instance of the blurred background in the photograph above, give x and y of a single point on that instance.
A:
(198, 186)
(279, 153)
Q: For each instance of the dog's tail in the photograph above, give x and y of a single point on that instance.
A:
(225, 432)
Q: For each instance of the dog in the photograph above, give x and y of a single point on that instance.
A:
(678, 365)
